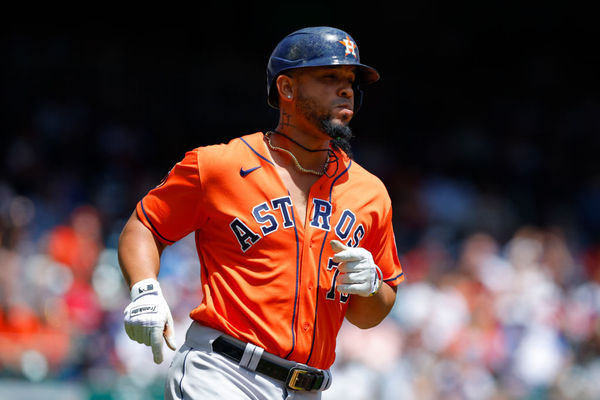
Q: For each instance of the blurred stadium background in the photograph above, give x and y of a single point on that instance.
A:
(484, 127)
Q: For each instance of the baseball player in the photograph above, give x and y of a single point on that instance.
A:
(292, 236)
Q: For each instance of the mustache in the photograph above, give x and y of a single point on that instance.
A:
(349, 103)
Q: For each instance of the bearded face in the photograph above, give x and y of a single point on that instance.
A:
(320, 116)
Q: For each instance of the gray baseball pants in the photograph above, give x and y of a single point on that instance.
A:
(198, 373)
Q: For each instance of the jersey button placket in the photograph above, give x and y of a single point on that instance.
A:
(308, 273)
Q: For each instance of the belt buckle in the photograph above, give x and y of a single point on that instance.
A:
(295, 373)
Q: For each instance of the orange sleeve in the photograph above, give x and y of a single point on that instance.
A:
(382, 245)
(386, 254)
(173, 209)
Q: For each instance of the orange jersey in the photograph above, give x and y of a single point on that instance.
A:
(267, 278)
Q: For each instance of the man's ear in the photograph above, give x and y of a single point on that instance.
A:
(285, 88)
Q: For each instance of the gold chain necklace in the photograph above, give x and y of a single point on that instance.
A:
(300, 167)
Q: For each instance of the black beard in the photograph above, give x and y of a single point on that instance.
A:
(340, 134)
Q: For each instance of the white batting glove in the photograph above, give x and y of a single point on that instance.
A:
(148, 318)
(358, 272)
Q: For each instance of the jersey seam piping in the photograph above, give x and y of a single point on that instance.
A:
(394, 278)
(297, 283)
(152, 225)
(255, 152)
(312, 345)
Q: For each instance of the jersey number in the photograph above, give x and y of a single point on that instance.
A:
(332, 292)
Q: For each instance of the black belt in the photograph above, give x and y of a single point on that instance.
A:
(296, 376)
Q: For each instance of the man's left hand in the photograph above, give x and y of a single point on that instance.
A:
(358, 272)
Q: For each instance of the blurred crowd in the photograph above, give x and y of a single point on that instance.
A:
(496, 215)
(480, 320)
(518, 320)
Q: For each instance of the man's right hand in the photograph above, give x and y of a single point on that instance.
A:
(148, 318)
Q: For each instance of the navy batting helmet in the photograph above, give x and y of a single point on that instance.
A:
(317, 47)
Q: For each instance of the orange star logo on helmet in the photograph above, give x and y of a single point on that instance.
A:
(350, 46)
